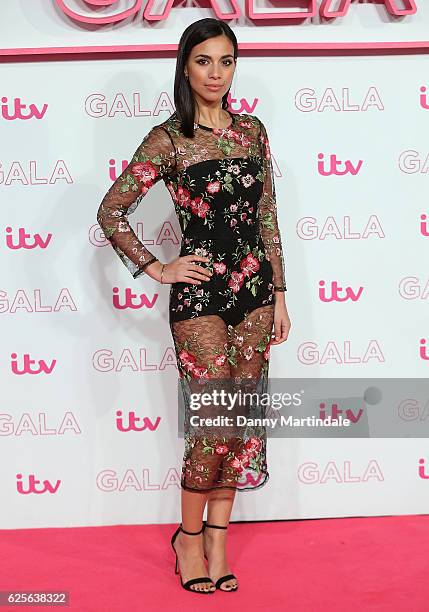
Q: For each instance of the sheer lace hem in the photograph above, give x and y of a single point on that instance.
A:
(225, 443)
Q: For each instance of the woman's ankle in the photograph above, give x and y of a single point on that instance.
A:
(190, 542)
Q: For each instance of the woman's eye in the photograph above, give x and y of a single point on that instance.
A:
(226, 62)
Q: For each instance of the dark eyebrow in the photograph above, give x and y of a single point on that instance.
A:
(208, 56)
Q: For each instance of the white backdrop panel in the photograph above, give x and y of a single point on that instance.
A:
(107, 476)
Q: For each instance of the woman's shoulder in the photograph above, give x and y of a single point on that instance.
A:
(249, 121)
(170, 124)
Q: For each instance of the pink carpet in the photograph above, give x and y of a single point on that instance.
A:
(344, 565)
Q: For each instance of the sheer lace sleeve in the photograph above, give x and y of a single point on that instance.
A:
(269, 229)
(153, 159)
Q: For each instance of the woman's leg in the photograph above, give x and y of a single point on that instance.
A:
(189, 548)
(199, 342)
(251, 361)
(219, 508)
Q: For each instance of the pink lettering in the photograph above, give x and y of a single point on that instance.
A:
(104, 361)
(100, 20)
(424, 103)
(311, 473)
(335, 164)
(329, 9)
(308, 228)
(18, 108)
(32, 485)
(28, 363)
(26, 425)
(18, 174)
(22, 301)
(335, 412)
(128, 302)
(113, 172)
(133, 420)
(423, 350)
(344, 5)
(310, 354)
(422, 473)
(23, 240)
(335, 293)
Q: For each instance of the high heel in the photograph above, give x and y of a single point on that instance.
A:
(187, 585)
(222, 579)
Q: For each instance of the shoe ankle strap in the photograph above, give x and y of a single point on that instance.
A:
(191, 532)
(215, 526)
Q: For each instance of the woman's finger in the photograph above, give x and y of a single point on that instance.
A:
(196, 274)
(195, 258)
(280, 331)
(192, 277)
(199, 269)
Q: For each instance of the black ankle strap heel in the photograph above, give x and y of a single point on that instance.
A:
(202, 579)
(222, 579)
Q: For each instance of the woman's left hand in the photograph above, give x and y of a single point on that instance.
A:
(282, 322)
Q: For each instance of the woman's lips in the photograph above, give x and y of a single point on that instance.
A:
(214, 87)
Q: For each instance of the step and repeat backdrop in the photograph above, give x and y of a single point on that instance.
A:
(88, 414)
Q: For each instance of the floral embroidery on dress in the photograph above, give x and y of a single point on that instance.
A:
(221, 184)
(244, 456)
(193, 361)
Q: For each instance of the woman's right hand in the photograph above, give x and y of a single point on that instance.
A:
(183, 270)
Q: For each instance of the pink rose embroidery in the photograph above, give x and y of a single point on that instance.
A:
(199, 207)
(221, 449)
(188, 360)
(213, 187)
(219, 268)
(240, 462)
(253, 446)
(220, 359)
(266, 353)
(145, 172)
(183, 197)
(236, 281)
(249, 265)
(245, 124)
(200, 372)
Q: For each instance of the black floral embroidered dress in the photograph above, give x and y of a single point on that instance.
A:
(221, 183)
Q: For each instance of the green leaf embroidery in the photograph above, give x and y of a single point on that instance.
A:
(232, 355)
(267, 221)
(109, 231)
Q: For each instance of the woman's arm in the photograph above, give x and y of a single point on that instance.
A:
(269, 229)
(153, 159)
(268, 225)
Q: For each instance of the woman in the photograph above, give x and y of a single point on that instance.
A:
(227, 284)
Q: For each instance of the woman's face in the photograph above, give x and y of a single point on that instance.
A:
(210, 68)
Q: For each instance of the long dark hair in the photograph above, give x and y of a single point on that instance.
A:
(194, 34)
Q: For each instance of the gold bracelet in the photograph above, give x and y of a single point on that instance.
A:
(162, 272)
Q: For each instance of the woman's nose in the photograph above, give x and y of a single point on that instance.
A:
(214, 72)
